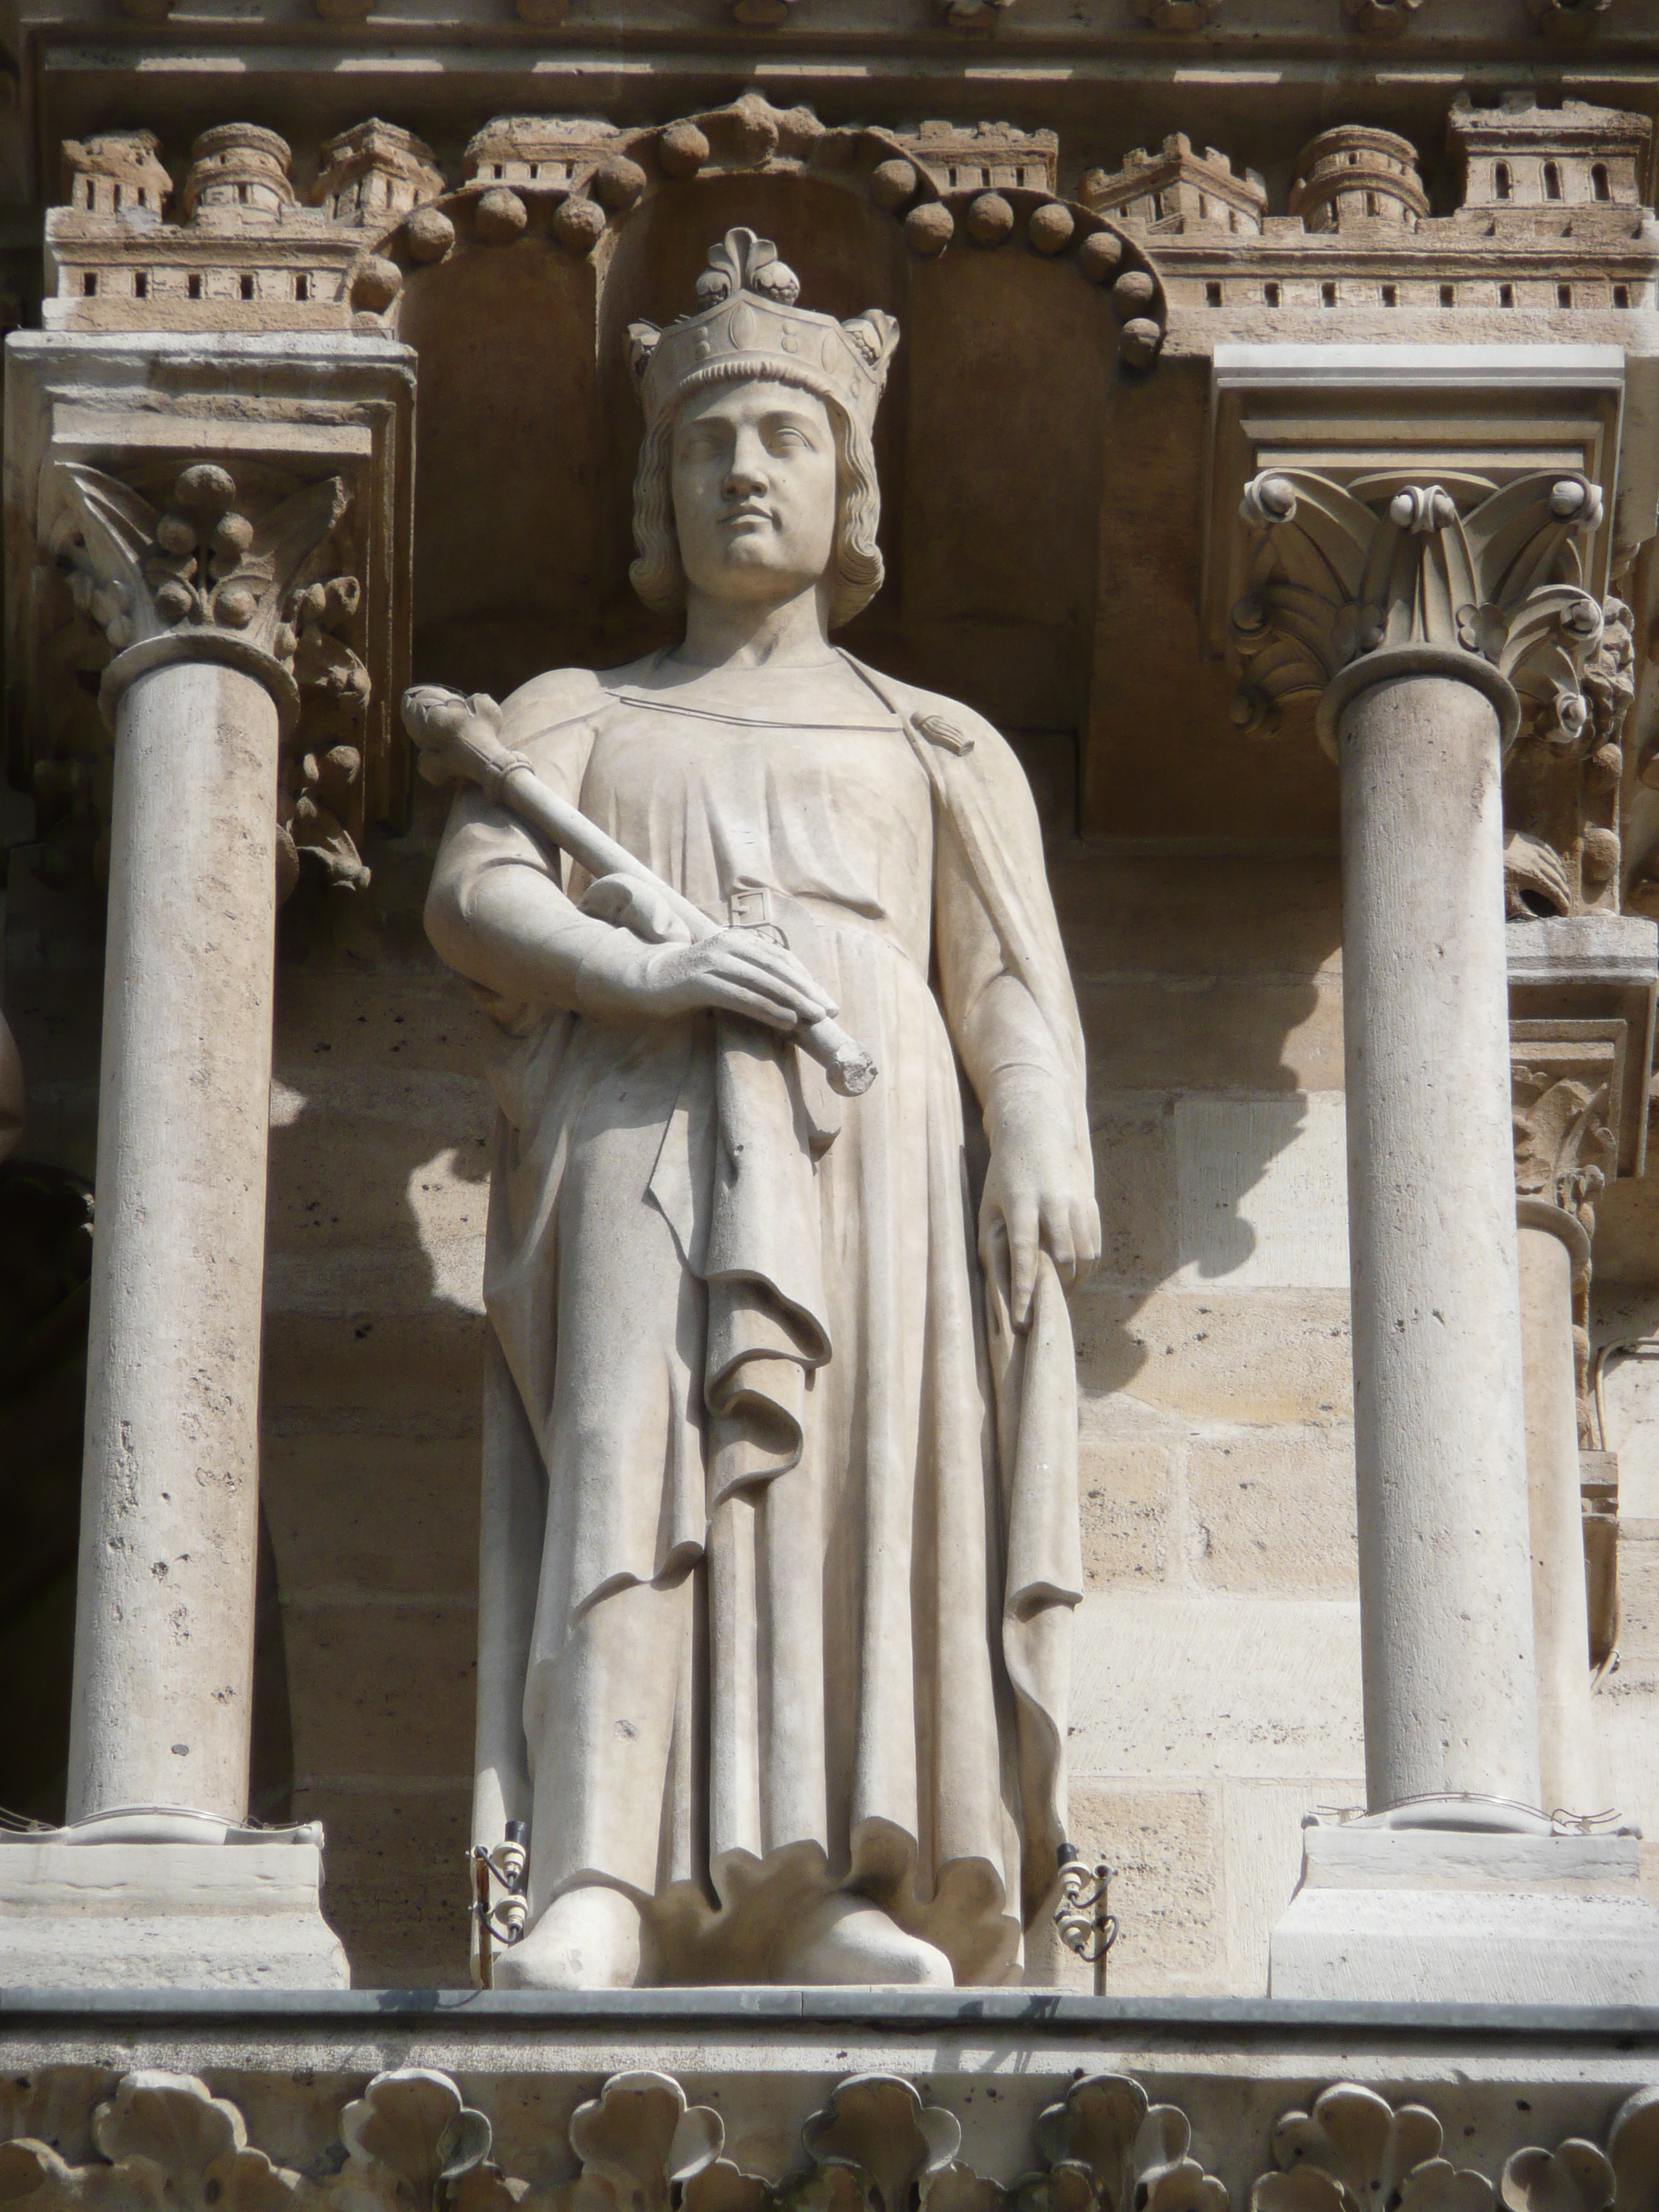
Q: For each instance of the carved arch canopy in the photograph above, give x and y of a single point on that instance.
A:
(1020, 310)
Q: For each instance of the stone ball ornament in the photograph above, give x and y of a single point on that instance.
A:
(575, 203)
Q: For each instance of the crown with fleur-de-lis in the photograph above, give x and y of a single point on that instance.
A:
(748, 324)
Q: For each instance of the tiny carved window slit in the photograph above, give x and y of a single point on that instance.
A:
(1552, 181)
(247, 287)
(1500, 181)
(1327, 295)
(89, 284)
(1506, 296)
(1270, 293)
(1391, 295)
(1599, 184)
(302, 287)
(141, 286)
(1563, 295)
(1213, 294)
(193, 287)
(1449, 295)
(1621, 295)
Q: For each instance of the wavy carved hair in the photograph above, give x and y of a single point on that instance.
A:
(855, 562)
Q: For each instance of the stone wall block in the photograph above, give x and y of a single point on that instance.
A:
(1135, 1186)
(1274, 1509)
(382, 1689)
(1213, 1033)
(1163, 1845)
(1125, 1498)
(1235, 1356)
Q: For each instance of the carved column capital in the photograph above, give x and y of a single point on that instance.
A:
(237, 502)
(1350, 586)
(206, 572)
(1565, 1147)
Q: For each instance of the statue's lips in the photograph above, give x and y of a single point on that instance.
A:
(741, 514)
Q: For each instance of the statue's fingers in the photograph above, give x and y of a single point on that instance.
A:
(993, 1237)
(1059, 1239)
(733, 998)
(1085, 1233)
(778, 960)
(1023, 1244)
(802, 1005)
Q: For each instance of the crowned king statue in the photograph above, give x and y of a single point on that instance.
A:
(779, 1495)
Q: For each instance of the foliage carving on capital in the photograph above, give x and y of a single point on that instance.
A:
(215, 563)
(1342, 572)
(1565, 1151)
(202, 564)
(1562, 793)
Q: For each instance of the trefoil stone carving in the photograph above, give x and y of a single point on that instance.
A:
(169, 2142)
(1110, 2149)
(1354, 2149)
(410, 2143)
(410, 2134)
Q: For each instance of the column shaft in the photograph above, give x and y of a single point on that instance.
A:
(1570, 1769)
(1450, 1697)
(164, 1628)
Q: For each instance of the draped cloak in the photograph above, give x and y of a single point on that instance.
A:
(740, 1332)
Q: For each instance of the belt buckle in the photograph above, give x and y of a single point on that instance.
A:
(748, 906)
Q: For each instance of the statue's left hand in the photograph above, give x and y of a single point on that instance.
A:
(1038, 1197)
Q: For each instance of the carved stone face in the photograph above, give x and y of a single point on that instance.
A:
(754, 484)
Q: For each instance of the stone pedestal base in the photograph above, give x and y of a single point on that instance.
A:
(166, 1901)
(1402, 1915)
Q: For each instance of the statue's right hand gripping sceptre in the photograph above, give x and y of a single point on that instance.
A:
(456, 740)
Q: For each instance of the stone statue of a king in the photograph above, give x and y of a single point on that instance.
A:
(781, 1543)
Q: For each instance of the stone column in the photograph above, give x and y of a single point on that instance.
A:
(209, 503)
(1551, 1257)
(169, 1519)
(1570, 1072)
(1426, 636)
(198, 598)
(1440, 1450)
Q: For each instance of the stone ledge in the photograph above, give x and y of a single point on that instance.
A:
(977, 2092)
(1033, 2013)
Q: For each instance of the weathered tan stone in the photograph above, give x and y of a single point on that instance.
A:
(1273, 1510)
(396, 1886)
(1164, 1845)
(394, 1514)
(1134, 1188)
(1222, 1355)
(1126, 1501)
(1210, 1033)
(381, 1688)
(1173, 1686)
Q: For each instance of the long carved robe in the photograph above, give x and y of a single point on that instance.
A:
(742, 1354)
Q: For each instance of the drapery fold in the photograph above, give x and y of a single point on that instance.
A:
(811, 1428)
